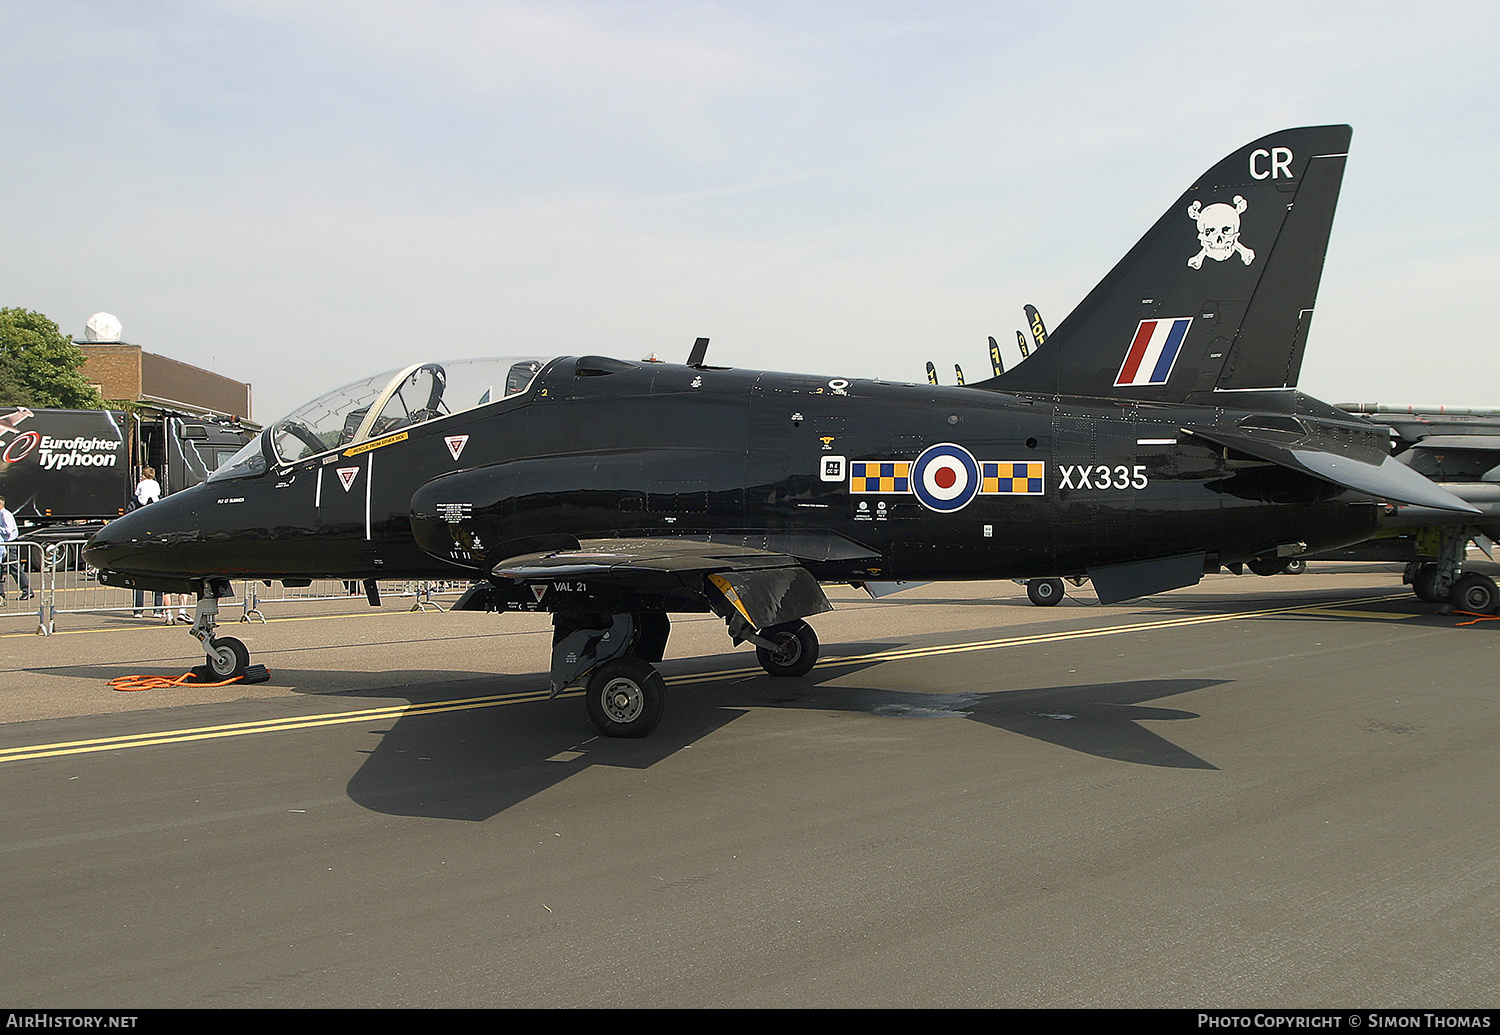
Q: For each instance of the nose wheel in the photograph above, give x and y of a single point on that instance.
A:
(227, 657)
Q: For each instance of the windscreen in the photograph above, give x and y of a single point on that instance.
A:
(380, 405)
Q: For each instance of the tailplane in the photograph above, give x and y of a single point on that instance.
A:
(1218, 295)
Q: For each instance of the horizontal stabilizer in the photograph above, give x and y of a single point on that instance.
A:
(1382, 476)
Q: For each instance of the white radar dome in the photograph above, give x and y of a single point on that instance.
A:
(102, 327)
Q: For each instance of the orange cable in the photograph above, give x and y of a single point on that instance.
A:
(131, 683)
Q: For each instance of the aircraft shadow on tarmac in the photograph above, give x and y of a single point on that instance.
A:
(472, 765)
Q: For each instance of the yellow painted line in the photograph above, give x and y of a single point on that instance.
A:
(1052, 637)
(240, 729)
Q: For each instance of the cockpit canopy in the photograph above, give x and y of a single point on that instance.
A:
(381, 405)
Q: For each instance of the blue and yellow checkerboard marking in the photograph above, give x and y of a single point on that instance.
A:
(997, 477)
(866, 476)
(1007, 478)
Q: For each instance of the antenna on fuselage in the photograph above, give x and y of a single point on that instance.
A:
(700, 350)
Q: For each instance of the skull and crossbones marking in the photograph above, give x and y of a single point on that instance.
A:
(1219, 230)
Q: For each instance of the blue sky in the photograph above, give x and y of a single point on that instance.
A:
(298, 194)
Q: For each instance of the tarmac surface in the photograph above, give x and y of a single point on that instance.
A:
(1257, 792)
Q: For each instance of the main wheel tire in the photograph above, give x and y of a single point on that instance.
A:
(1421, 584)
(1477, 593)
(1045, 592)
(1267, 565)
(625, 698)
(796, 649)
(227, 657)
(1294, 566)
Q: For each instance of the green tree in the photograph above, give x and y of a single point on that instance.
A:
(39, 365)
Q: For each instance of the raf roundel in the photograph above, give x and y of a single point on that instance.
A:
(945, 477)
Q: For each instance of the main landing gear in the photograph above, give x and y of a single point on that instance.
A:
(614, 656)
(1277, 566)
(1044, 592)
(625, 698)
(1472, 591)
(1047, 592)
(1444, 581)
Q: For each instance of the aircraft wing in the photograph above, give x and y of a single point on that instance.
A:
(767, 588)
(1379, 474)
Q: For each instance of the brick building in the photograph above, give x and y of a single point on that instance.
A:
(124, 371)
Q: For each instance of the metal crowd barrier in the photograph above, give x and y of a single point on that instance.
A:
(23, 582)
(71, 588)
(257, 595)
(61, 583)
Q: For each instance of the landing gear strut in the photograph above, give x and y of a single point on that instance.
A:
(613, 657)
(226, 657)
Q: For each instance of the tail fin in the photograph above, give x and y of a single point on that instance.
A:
(1219, 293)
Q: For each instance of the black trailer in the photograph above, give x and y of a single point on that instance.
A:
(73, 466)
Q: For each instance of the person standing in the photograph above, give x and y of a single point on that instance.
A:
(147, 490)
(16, 565)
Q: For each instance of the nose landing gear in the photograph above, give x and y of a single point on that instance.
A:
(226, 657)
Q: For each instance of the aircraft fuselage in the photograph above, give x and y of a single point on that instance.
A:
(860, 480)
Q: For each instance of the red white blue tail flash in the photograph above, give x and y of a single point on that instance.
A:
(1154, 350)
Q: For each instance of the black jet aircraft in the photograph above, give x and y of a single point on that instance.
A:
(1459, 449)
(1156, 436)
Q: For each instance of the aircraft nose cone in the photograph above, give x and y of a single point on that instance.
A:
(148, 541)
(115, 544)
